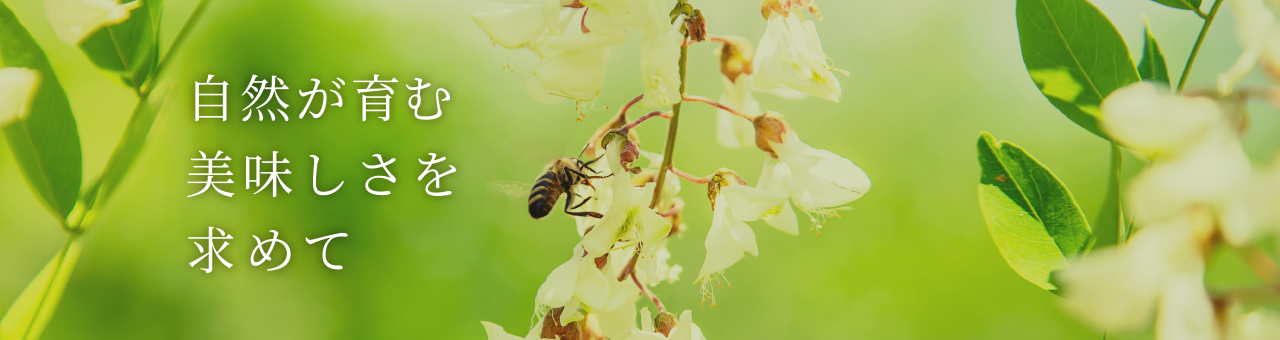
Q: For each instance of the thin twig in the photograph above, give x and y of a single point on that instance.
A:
(670, 147)
(718, 105)
(654, 298)
(645, 117)
(1204, 30)
(690, 177)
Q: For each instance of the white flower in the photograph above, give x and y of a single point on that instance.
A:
(1155, 124)
(513, 27)
(1258, 33)
(582, 281)
(790, 55)
(496, 332)
(1160, 270)
(572, 42)
(577, 280)
(1214, 173)
(660, 68)
(73, 20)
(733, 131)
(730, 236)
(815, 180)
(18, 86)
(628, 220)
(1195, 152)
(684, 330)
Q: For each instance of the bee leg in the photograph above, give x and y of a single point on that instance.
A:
(569, 201)
(584, 201)
(585, 214)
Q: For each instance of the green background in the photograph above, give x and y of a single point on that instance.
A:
(911, 260)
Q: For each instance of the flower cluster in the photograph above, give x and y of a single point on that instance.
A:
(1199, 193)
(627, 212)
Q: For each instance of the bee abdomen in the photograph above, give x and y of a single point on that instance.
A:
(542, 199)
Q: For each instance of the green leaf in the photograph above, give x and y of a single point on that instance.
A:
(1075, 56)
(1152, 66)
(1032, 217)
(1108, 226)
(1181, 4)
(128, 50)
(32, 310)
(45, 143)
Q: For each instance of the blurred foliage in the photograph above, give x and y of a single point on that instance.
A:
(912, 260)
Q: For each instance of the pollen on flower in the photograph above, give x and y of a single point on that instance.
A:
(709, 286)
(819, 217)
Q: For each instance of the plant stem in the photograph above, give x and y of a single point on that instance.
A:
(671, 131)
(708, 101)
(690, 177)
(1204, 30)
(647, 293)
(48, 288)
(645, 117)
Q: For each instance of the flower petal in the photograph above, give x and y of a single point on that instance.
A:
(1185, 310)
(496, 332)
(749, 204)
(18, 86)
(577, 75)
(1141, 118)
(513, 27)
(592, 287)
(73, 20)
(744, 236)
(558, 288)
(784, 219)
(722, 250)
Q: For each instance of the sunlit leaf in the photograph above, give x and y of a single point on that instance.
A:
(32, 310)
(1181, 4)
(128, 50)
(1032, 217)
(46, 143)
(1074, 55)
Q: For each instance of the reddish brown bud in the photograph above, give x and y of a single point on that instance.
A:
(630, 152)
(697, 26)
(736, 54)
(665, 322)
(770, 128)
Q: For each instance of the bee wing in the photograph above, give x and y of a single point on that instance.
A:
(511, 188)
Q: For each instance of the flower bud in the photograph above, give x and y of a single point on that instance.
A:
(630, 152)
(696, 26)
(665, 322)
(735, 57)
(770, 128)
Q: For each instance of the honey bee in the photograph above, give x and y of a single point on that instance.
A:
(560, 178)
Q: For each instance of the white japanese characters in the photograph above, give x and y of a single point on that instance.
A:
(270, 173)
(263, 250)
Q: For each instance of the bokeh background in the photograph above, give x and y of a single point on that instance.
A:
(911, 260)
